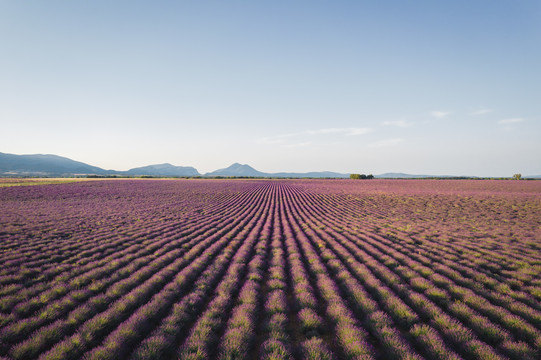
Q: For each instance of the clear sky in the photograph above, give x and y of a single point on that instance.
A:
(422, 87)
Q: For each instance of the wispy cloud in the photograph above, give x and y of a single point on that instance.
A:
(481, 112)
(298, 145)
(325, 131)
(277, 139)
(296, 139)
(343, 131)
(510, 121)
(386, 142)
(398, 123)
(358, 131)
(439, 114)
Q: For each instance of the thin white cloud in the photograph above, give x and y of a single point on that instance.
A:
(298, 145)
(510, 121)
(325, 131)
(439, 114)
(270, 140)
(358, 131)
(278, 139)
(344, 131)
(294, 139)
(398, 123)
(481, 112)
(386, 142)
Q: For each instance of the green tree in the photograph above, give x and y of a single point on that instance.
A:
(517, 176)
(360, 176)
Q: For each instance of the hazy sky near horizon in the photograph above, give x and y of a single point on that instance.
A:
(422, 87)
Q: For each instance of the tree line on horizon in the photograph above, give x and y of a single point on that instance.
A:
(361, 176)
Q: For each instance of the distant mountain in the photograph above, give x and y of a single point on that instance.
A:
(237, 170)
(321, 174)
(410, 176)
(246, 170)
(54, 165)
(400, 176)
(49, 165)
(163, 170)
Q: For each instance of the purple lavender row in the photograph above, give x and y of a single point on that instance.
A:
(526, 203)
(161, 342)
(392, 342)
(380, 324)
(487, 329)
(309, 329)
(202, 338)
(120, 342)
(399, 309)
(239, 334)
(475, 269)
(11, 300)
(84, 269)
(17, 330)
(93, 330)
(451, 290)
(351, 337)
(81, 253)
(476, 277)
(82, 312)
(276, 341)
(497, 297)
(486, 326)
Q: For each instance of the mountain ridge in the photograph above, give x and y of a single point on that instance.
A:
(237, 169)
(164, 169)
(55, 165)
(51, 165)
(45, 164)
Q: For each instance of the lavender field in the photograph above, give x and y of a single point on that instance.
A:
(268, 269)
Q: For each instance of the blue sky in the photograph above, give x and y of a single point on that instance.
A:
(431, 87)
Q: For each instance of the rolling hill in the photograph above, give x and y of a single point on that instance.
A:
(49, 165)
(163, 170)
(46, 165)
